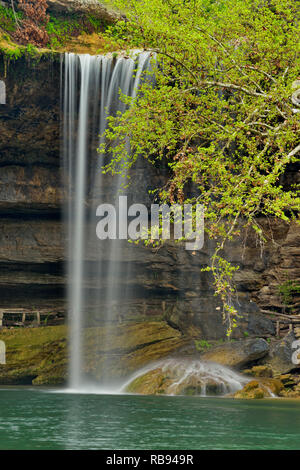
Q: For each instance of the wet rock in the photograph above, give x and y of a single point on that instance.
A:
(291, 392)
(186, 377)
(289, 380)
(238, 353)
(291, 383)
(259, 371)
(154, 382)
(280, 355)
(262, 388)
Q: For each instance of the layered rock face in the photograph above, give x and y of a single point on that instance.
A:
(167, 285)
(31, 248)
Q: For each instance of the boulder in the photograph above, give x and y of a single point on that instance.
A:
(92, 7)
(237, 353)
(158, 382)
(280, 355)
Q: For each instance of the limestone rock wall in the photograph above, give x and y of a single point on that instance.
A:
(31, 268)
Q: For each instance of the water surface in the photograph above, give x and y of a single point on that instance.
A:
(45, 419)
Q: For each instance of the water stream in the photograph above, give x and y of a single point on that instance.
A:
(92, 86)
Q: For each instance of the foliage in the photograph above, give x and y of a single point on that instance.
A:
(220, 115)
(7, 19)
(287, 290)
(60, 30)
(33, 27)
(9, 23)
(202, 344)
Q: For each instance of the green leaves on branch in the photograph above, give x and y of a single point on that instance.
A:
(220, 116)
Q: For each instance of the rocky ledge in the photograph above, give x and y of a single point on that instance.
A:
(208, 373)
(39, 356)
(92, 7)
(154, 358)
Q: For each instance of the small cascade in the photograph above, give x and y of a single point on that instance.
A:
(91, 87)
(185, 377)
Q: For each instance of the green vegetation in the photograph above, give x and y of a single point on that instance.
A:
(7, 19)
(202, 344)
(220, 117)
(39, 355)
(34, 355)
(7, 27)
(287, 290)
(74, 32)
(60, 30)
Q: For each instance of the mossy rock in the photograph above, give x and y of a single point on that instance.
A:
(291, 384)
(176, 376)
(291, 392)
(128, 347)
(165, 382)
(259, 371)
(32, 353)
(263, 388)
(153, 382)
(288, 380)
(39, 356)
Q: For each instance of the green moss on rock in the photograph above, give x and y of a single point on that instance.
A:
(39, 356)
(33, 353)
(261, 388)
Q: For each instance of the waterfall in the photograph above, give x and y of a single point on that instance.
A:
(91, 94)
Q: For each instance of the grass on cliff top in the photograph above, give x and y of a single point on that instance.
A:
(7, 27)
(71, 33)
(83, 35)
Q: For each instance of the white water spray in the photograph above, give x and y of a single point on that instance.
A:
(185, 376)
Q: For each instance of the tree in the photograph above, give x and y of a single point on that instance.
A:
(223, 113)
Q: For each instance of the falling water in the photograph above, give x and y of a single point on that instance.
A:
(91, 94)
